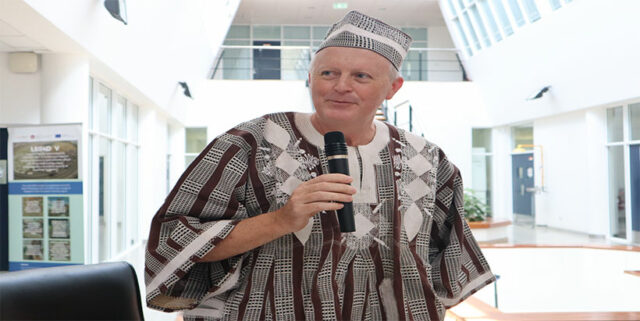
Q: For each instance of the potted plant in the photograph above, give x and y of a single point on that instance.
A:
(475, 210)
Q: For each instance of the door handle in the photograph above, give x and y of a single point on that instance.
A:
(521, 189)
(531, 189)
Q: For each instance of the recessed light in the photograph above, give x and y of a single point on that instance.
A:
(340, 5)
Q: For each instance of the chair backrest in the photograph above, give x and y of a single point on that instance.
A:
(106, 291)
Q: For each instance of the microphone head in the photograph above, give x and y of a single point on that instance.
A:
(334, 137)
(334, 144)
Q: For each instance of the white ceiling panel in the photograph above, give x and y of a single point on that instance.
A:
(7, 30)
(420, 13)
(6, 48)
(20, 42)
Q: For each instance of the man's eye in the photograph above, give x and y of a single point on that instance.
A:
(326, 73)
(362, 75)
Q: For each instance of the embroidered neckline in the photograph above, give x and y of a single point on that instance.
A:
(379, 141)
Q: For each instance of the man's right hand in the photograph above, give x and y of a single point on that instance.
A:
(326, 192)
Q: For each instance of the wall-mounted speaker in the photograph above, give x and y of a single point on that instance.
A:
(23, 62)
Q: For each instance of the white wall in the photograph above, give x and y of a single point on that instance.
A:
(440, 62)
(222, 104)
(19, 95)
(164, 41)
(445, 112)
(586, 50)
(563, 204)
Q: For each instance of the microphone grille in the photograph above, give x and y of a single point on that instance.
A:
(333, 137)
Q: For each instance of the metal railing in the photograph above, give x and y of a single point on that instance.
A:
(292, 63)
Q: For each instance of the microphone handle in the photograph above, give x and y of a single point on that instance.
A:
(345, 214)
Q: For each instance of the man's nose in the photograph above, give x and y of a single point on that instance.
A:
(343, 84)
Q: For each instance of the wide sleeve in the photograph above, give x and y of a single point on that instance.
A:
(200, 211)
(459, 268)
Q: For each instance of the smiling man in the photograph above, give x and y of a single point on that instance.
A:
(250, 230)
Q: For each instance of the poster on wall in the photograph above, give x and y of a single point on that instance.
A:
(46, 219)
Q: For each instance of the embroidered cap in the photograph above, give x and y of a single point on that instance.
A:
(357, 30)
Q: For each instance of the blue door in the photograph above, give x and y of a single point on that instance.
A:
(634, 162)
(523, 184)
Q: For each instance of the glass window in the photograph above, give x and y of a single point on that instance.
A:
(132, 122)
(236, 64)
(522, 136)
(294, 63)
(91, 103)
(555, 4)
(118, 114)
(319, 32)
(504, 19)
(481, 164)
(418, 34)
(517, 13)
(239, 32)
(131, 192)
(531, 9)
(471, 30)
(266, 32)
(617, 213)
(484, 4)
(481, 177)
(102, 106)
(614, 125)
(481, 139)
(104, 198)
(118, 196)
(480, 24)
(302, 32)
(462, 35)
(634, 121)
(452, 8)
(195, 142)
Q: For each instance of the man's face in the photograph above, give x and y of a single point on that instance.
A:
(349, 84)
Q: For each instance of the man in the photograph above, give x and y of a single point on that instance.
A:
(250, 230)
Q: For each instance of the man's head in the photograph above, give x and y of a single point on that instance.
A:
(355, 69)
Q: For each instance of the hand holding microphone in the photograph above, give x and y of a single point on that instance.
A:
(335, 149)
(328, 192)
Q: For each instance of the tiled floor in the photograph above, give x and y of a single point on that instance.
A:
(525, 233)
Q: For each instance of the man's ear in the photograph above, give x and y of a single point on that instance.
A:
(395, 86)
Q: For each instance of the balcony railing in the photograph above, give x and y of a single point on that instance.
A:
(292, 63)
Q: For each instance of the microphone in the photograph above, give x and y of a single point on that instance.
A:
(335, 148)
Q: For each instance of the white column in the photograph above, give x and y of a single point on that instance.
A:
(64, 89)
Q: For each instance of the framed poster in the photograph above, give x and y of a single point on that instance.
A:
(46, 207)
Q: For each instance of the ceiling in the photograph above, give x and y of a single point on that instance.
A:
(12, 40)
(400, 13)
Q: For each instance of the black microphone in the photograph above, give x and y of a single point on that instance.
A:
(336, 150)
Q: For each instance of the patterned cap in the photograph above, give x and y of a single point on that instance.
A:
(357, 30)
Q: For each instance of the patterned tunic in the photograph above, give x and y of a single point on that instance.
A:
(411, 257)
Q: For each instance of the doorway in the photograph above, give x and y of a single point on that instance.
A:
(523, 185)
(266, 62)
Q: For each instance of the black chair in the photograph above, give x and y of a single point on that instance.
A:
(107, 291)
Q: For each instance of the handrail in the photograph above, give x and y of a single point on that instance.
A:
(400, 104)
(310, 52)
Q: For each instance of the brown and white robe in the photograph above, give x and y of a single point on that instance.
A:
(411, 257)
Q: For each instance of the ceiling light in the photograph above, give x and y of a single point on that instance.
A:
(340, 5)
